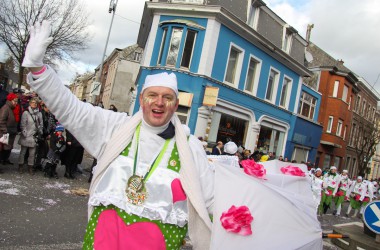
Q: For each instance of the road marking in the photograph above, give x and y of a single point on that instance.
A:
(376, 211)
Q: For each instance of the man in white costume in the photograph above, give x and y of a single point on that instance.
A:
(331, 180)
(340, 195)
(316, 187)
(152, 181)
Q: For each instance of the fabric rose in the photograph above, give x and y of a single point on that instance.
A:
(333, 183)
(357, 197)
(328, 192)
(292, 170)
(237, 220)
(252, 168)
(339, 193)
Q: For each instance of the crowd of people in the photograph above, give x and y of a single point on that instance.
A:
(333, 188)
(43, 140)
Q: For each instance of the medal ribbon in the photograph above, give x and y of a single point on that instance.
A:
(156, 161)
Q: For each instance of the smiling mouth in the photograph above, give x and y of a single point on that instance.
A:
(155, 111)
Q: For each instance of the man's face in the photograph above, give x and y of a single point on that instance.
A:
(158, 105)
(333, 171)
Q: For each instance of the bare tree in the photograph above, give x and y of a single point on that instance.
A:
(368, 136)
(69, 22)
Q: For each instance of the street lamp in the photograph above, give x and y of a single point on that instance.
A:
(97, 83)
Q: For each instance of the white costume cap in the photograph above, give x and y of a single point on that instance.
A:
(332, 167)
(161, 80)
(230, 148)
(345, 171)
(318, 169)
(359, 178)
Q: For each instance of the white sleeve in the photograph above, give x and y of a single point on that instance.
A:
(205, 172)
(91, 126)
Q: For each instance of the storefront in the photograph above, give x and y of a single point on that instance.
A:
(272, 136)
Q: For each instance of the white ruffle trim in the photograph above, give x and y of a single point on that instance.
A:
(175, 216)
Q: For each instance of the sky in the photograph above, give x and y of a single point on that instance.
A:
(346, 29)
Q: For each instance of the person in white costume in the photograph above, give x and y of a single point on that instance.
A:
(150, 174)
(356, 192)
(368, 197)
(340, 195)
(331, 180)
(316, 187)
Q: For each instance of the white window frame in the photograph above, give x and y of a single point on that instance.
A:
(192, 49)
(344, 132)
(257, 74)
(238, 65)
(274, 87)
(362, 112)
(357, 103)
(345, 87)
(349, 103)
(253, 16)
(336, 88)
(287, 39)
(160, 54)
(288, 89)
(339, 127)
(330, 124)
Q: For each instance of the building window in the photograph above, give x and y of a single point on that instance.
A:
(188, 49)
(349, 103)
(345, 93)
(175, 42)
(357, 104)
(326, 161)
(287, 40)
(233, 66)
(373, 114)
(352, 134)
(363, 108)
(253, 74)
(329, 124)
(181, 46)
(183, 113)
(306, 108)
(285, 92)
(272, 86)
(253, 17)
(137, 56)
(162, 46)
(188, 1)
(300, 154)
(336, 88)
(337, 161)
(344, 132)
(339, 127)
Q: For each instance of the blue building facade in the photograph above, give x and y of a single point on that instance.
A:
(256, 86)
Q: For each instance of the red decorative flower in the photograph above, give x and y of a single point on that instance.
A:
(333, 182)
(252, 168)
(366, 199)
(344, 185)
(292, 170)
(360, 190)
(357, 197)
(237, 220)
(339, 193)
(329, 192)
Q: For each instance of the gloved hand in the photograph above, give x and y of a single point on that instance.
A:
(38, 42)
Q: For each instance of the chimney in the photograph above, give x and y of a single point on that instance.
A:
(340, 62)
(308, 32)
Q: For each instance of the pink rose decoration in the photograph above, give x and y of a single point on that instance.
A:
(333, 182)
(252, 168)
(292, 170)
(339, 193)
(344, 185)
(237, 220)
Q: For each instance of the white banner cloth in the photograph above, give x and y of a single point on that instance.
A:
(282, 207)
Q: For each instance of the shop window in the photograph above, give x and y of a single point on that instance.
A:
(271, 140)
(337, 161)
(300, 154)
(272, 85)
(253, 74)
(307, 106)
(285, 92)
(233, 65)
(329, 124)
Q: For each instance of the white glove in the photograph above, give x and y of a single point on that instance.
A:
(38, 42)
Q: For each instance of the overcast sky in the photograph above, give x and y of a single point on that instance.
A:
(346, 29)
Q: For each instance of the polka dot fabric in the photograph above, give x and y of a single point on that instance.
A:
(173, 234)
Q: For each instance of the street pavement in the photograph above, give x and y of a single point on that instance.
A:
(41, 213)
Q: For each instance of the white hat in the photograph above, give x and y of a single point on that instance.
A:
(230, 148)
(318, 169)
(161, 80)
(359, 178)
(345, 171)
(332, 167)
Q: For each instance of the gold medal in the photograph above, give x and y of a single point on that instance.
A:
(136, 191)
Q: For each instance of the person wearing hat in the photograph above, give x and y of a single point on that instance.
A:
(368, 196)
(356, 192)
(230, 148)
(316, 188)
(331, 180)
(150, 176)
(8, 125)
(340, 195)
(57, 147)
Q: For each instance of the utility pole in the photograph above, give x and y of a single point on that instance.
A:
(97, 84)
